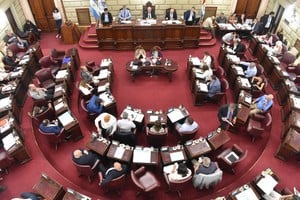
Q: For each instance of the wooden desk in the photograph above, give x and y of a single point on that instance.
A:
(167, 66)
(197, 147)
(241, 83)
(235, 72)
(124, 156)
(216, 140)
(277, 76)
(286, 87)
(241, 118)
(152, 116)
(222, 29)
(60, 106)
(99, 145)
(246, 191)
(292, 122)
(70, 33)
(265, 182)
(245, 98)
(290, 145)
(71, 125)
(145, 156)
(177, 114)
(268, 64)
(171, 155)
(253, 44)
(260, 54)
(167, 36)
(74, 195)
(200, 92)
(293, 104)
(49, 188)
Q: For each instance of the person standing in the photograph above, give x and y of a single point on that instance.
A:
(58, 21)
(106, 17)
(268, 22)
(227, 114)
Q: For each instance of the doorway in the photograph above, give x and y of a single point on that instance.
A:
(278, 16)
(11, 20)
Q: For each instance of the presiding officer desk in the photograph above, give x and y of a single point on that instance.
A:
(166, 34)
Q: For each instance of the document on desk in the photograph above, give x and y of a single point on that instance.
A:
(196, 61)
(203, 87)
(248, 99)
(105, 98)
(105, 62)
(239, 70)
(247, 194)
(267, 184)
(4, 125)
(59, 106)
(5, 102)
(139, 117)
(176, 156)
(66, 118)
(61, 74)
(175, 115)
(141, 156)
(8, 141)
(153, 118)
(103, 74)
(245, 82)
(119, 152)
(296, 102)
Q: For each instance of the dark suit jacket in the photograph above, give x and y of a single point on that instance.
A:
(112, 174)
(110, 18)
(187, 15)
(86, 159)
(207, 170)
(167, 17)
(145, 16)
(223, 110)
(257, 28)
(239, 48)
(264, 20)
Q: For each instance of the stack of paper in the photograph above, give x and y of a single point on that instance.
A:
(5, 102)
(61, 74)
(203, 87)
(245, 82)
(176, 156)
(196, 61)
(105, 62)
(65, 118)
(267, 184)
(106, 98)
(175, 115)
(296, 102)
(239, 70)
(119, 152)
(141, 156)
(8, 141)
(103, 74)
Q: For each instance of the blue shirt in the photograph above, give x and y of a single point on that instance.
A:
(51, 128)
(92, 107)
(263, 104)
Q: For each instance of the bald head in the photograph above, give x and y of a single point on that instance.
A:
(77, 153)
(117, 166)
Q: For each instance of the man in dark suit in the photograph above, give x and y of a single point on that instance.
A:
(227, 115)
(268, 21)
(238, 46)
(190, 16)
(149, 13)
(106, 17)
(84, 157)
(171, 14)
(48, 126)
(113, 172)
(256, 27)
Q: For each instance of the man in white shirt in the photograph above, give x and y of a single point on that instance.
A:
(188, 125)
(250, 69)
(125, 124)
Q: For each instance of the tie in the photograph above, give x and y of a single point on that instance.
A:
(230, 116)
(149, 15)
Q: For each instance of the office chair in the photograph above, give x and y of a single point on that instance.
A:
(45, 78)
(156, 139)
(187, 135)
(257, 125)
(54, 139)
(5, 160)
(86, 170)
(114, 185)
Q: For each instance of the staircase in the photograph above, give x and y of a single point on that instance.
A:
(206, 39)
(88, 39)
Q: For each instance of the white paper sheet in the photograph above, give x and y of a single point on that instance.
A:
(8, 141)
(119, 152)
(141, 156)
(267, 184)
(203, 87)
(196, 61)
(176, 156)
(246, 195)
(65, 118)
(175, 115)
(153, 118)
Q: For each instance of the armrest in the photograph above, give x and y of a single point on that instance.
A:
(90, 63)
(96, 164)
(258, 117)
(291, 69)
(139, 172)
(237, 149)
(167, 178)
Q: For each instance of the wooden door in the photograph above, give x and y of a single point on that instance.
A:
(42, 13)
(249, 7)
(11, 20)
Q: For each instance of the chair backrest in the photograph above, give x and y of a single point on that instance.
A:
(224, 85)
(14, 48)
(156, 139)
(220, 72)
(260, 70)
(85, 170)
(187, 135)
(53, 138)
(207, 180)
(44, 74)
(148, 4)
(240, 152)
(116, 183)
(46, 62)
(288, 58)
(179, 185)
(135, 175)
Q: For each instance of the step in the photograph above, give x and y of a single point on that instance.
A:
(212, 42)
(205, 37)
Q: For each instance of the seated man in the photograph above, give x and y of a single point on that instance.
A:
(95, 105)
(155, 53)
(261, 104)
(237, 46)
(139, 53)
(214, 86)
(85, 74)
(249, 68)
(11, 60)
(157, 127)
(221, 18)
(38, 93)
(190, 16)
(177, 171)
(10, 38)
(227, 115)
(149, 14)
(228, 38)
(86, 157)
(48, 126)
(204, 166)
(188, 125)
(171, 14)
(30, 27)
(106, 124)
(125, 125)
(28, 196)
(106, 17)
(124, 14)
(113, 172)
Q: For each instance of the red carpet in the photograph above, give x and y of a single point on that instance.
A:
(145, 93)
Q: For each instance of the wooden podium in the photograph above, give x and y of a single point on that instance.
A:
(70, 33)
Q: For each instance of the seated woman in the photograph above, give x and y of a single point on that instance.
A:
(157, 127)
(95, 105)
(277, 49)
(85, 88)
(237, 46)
(207, 59)
(48, 126)
(37, 110)
(177, 171)
(258, 83)
(139, 53)
(155, 53)
(30, 27)
(267, 39)
(204, 166)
